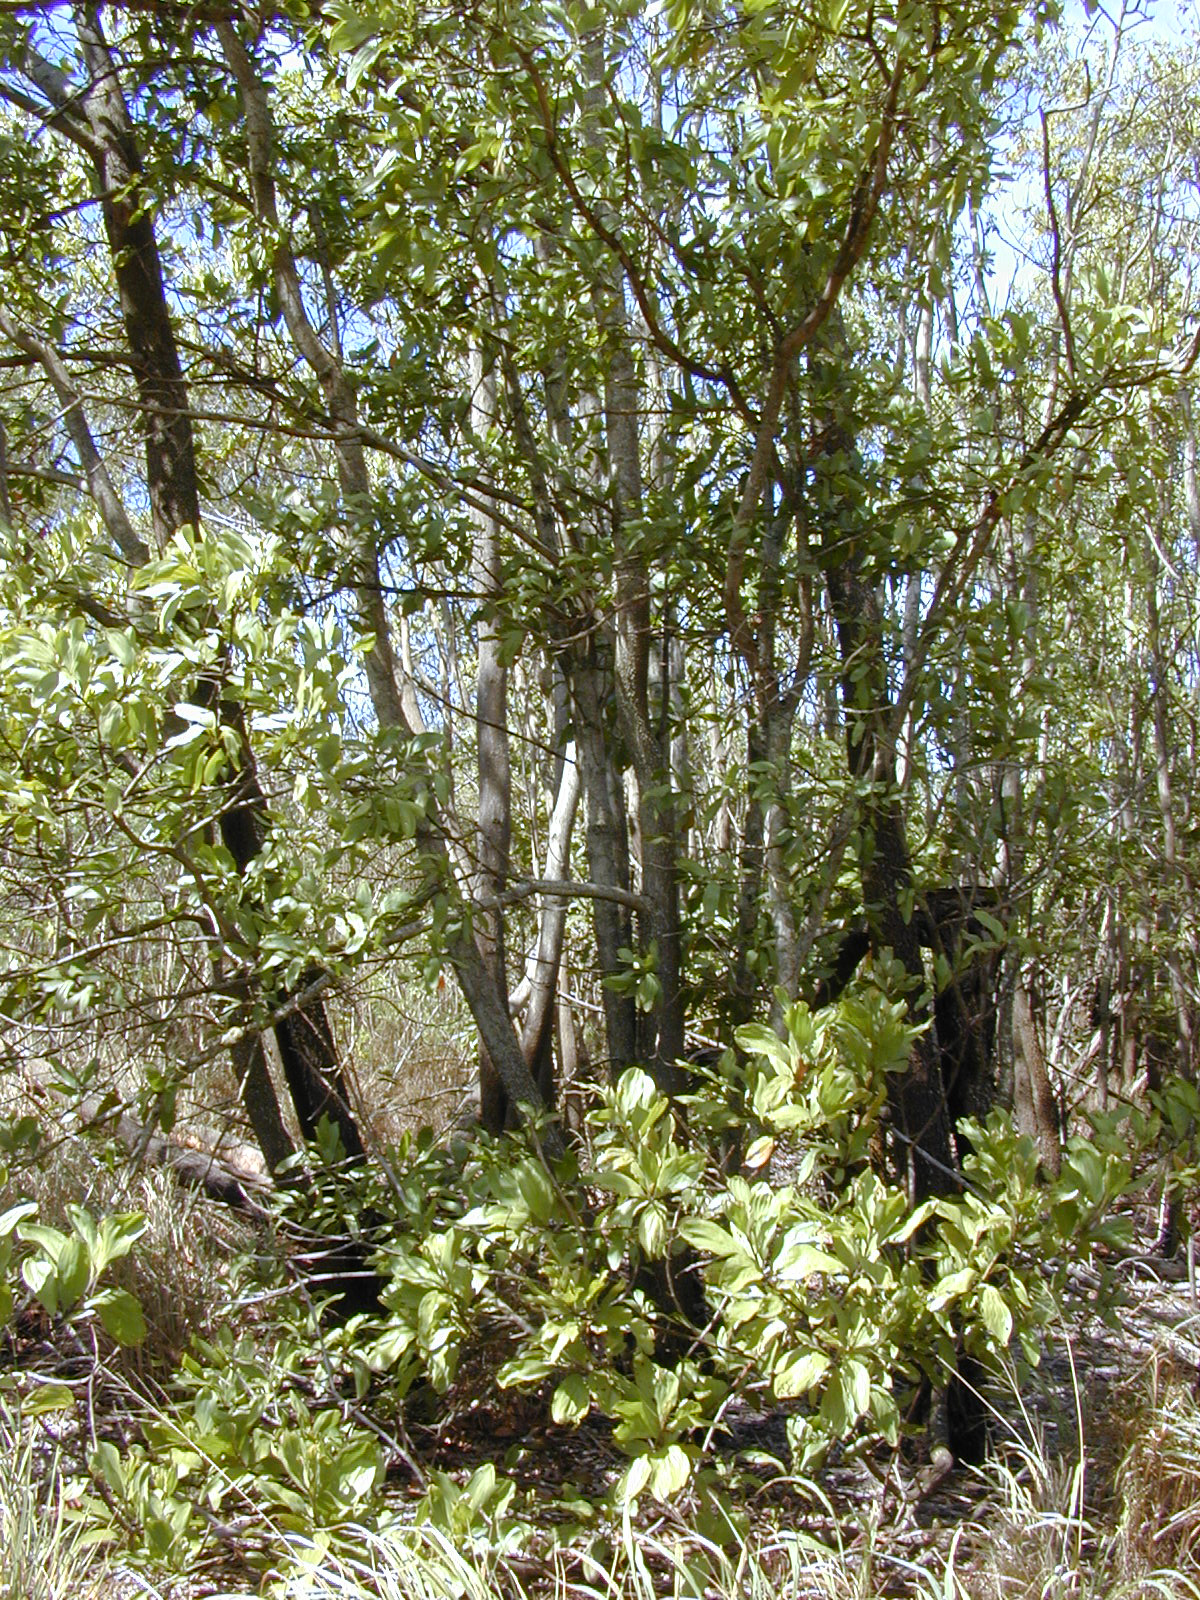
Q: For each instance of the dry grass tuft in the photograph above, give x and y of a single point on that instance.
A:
(43, 1555)
(1158, 1483)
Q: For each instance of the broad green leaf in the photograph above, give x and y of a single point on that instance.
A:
(634, 1479)
(47, 1397)
(572, 1400)
(798, 1372)
(951, 1287)
(996, 1315)
(16, 1214)
(121, 1315)
(670, 1471)
(708, 1236)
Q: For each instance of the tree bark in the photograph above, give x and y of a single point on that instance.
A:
(537, 1031)
(493, 832)
(917, 1097)
(1034, 1109)
(164, 410)
(100, 117)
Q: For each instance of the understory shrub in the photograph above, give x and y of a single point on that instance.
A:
(827, 1297)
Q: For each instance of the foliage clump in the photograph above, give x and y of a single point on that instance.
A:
(636, 1288)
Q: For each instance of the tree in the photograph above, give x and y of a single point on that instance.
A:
(561, 392)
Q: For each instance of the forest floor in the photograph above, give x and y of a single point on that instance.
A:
(1091, 1489)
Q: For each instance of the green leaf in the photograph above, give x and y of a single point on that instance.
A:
(800, 1261)
(572, 1400)
(105, 1461)
(74, 1273)
(708, 1236)
(670, 1471)
(856, 1379)
(996, 1315)
(797, 1373)
(16, 1214)
(482, 1486)
(121, 1315)
(951, 1287)
(652, 1231)
(635, 1479)
(47, 1397)
(41, 1279)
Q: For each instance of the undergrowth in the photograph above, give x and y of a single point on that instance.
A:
(627, 1373)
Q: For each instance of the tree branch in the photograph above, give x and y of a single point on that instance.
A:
(103, 491)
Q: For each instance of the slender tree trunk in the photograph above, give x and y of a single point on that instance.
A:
(164, 412)
(1034, 1109)
(607, 847)
(305, 1039)
(537, 1032)
(494, 830)
(768, 756)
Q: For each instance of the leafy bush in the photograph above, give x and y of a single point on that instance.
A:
(61, 1269)
(827, 1295)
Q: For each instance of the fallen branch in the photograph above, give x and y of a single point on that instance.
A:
(234, 1183)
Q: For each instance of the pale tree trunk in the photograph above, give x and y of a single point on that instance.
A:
(660, 1030)
(607, 845)
(1178, 879)
(493, 833)
(586, 661)
(1035, 1110)
(662, 1044)
(537, 1030)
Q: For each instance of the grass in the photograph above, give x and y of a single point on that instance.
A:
(1158, 1484)
(44, 1555)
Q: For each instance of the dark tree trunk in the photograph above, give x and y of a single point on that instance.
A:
(607, 840)
(920, 1113)
(305, 1039)
(1034, 1110)
(964, 1006)
(164, 411)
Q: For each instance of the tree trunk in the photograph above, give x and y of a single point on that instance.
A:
(489, 1008)
(493, 833)
(1034, 1109)
(917, 1097)
(607, 844)
(305, 1041)
(537, 1032)
(164, 411)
